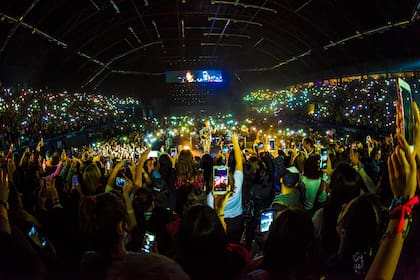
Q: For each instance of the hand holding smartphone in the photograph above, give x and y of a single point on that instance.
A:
(220, 180)
(271, 145)
(405, 117)
(75, 181)
(120, 182)
(148, 242)
(266, 219)
(37, 237)
(324, 159)
(173, 152)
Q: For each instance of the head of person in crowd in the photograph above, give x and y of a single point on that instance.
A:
(219, 159)
(290, 195)
(308, 144)
(103, 223)
(360, 225)
(257, 168)
(345, 185)
(311, 168)
(153, 267)
(76, 165)
(143, 205)
(290, 244)
(150, 165)
(153, 218)
(290, 177)
(92, 179)
(197, 196)
(201, 233)
(206, 164)
(165, 166)
(185, 165)
(203, 246)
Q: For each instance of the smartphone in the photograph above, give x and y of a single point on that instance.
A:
(266, 219)
(37, 237)
(153, 154)
(148, 242)
(108, 164)
(260, 145)
(120, 182)
(225, 149)
(173, 152)
(324, 158)
(405, 98)
(220, 179)
(136, 158)
(271, 144)
(75, 180)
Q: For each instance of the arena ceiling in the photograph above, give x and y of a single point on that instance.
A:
(84, 43)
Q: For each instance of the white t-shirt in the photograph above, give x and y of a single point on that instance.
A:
(233, 206)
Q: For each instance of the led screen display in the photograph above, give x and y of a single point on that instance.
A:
(194, 76)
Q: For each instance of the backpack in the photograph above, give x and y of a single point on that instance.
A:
(260, 196)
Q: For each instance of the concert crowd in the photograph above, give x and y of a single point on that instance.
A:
(146, 202)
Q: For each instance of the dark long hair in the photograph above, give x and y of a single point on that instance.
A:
(201, 240)
(143, 200)
(345, 184)
(311, 167)
(99, 217)
(290, 242)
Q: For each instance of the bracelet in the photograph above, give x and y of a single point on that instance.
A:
(397, 202)
(404, 208)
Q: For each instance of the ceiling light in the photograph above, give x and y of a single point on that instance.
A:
(117, 10)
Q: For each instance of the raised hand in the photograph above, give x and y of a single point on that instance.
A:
(235, 137)
(354, 158)
(402, 170)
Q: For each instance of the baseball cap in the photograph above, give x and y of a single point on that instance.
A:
(290, 176)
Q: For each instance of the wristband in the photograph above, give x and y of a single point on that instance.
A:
(404, 208)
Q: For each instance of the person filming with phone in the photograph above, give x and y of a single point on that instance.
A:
(232, 212)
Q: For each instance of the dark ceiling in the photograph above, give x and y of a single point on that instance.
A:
(90, 43)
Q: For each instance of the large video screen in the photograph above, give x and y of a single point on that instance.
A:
(194, 76)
